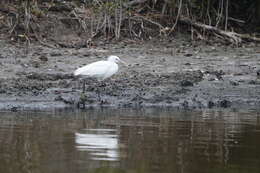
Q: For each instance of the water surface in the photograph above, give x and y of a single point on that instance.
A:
(130, 141)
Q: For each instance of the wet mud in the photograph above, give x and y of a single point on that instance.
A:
(175, 73)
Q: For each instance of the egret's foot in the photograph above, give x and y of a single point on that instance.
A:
(101, 102)
(82, 100)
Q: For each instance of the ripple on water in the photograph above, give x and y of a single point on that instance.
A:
(133, 141)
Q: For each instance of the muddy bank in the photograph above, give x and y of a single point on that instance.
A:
(176, 73)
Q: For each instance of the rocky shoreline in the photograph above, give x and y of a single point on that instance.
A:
(174, 73)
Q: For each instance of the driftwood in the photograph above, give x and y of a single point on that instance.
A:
(8, 11)
(231, 36)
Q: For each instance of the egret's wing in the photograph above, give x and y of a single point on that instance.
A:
(96, 69)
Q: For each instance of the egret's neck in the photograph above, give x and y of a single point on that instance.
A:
(111, 60)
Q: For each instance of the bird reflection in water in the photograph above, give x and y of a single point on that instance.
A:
(102, 144)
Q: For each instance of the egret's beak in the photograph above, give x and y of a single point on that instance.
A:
(123, 62)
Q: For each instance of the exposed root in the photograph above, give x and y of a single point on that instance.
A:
(232, 37)
(114, 19)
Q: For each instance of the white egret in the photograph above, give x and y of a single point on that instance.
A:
(99, 70)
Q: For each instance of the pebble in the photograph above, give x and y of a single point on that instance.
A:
(258, 72)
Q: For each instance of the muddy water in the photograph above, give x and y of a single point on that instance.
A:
(130, 141)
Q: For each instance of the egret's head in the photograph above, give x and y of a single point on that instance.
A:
(113, 58)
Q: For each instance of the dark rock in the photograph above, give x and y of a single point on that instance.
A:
(162, 60)
(66, 100)
(1, 56)
(238, 74)
(35, 64)
(43, 58)
(217, 73)
(14, 109)
(86, 54)
(211, 104)
(2, 91)
(55, 54)
(211, 79)
(58, 98)
(234, 83)
(219, 76)
(254, 82)
(258, 72)
(199, 104)
(185, 104)
(188, 54)
(186, 83)
(224, 103)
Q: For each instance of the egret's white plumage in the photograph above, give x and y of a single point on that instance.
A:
(100, 69)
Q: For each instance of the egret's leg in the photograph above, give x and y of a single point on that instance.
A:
(83, 96)
(99, 96)
(84, 86)
(99, 90)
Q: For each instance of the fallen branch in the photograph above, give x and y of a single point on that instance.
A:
(81, 22)
(232, 37)
(236, 20)
(43, 43)
(133, 3)
(161, 28)
(249, 37)
(178, 15)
